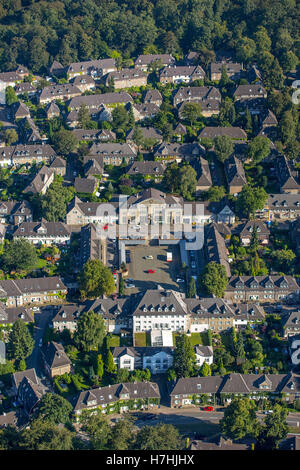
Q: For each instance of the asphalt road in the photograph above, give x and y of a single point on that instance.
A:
(42, 320)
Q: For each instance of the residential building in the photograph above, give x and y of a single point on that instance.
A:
(249, 92)
(144, 395)
(145, 60)
(148, 133)
(209, 98)
(157, 359)
(8, 316)
(8, 79)
(86, 185)
(235, 133)
(96, 102)
(144, 111)
(235, 174)
(52, 110)
(94, 135)
(92, 246)
(15, 212)
(59, 92)
(55, 360)
(204, 181)
(127, 78)
(291, 324)
(147, 170)
(263, 233)
(261, 288)
(41, 182)
(18, 292)
(28, 389)
(167, 153)
(181, 74)
(84, 83)
(154, 97)
(281, 206)
(94, 68)
(59, 166)
(287, 176)
(26, 154)
(215, 248)
(233, 70)
(43, 233)
(112, 153)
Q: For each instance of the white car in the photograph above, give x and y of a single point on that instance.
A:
(148, 257)
(130, 286)
(179, 279)
(193, 264)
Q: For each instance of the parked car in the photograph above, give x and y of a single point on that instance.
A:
(151, 271)
(208, 408)
(130, 286)
(148, 257)
(179, 279)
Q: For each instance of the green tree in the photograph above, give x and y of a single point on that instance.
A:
(90, 331)
(64, 141)
(21, 342)
(283, 259)
(191, 112)
(122, 436)
(11, 136)
(214, 279)
(251, 199)
(223, 147)
(239, 419)
(119, 118)
(19, 255)
(53, 409)
(274, 430)
(45, 436)
(184, 357)
(160, 437)
(205, 370)
(10, 96)
(110, 365)
(96, 280)
(100, 366)
(98, 430)
(254, 244)
(83, 116)
(216, 193)
(191, 292)
(121, 286)
(258, 149)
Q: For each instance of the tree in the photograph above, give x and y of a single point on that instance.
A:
(45, 436)
(121, 376)
(205, 370)
(216, 193)
(191, 288)
(119, 118)
(11, 136)
(254, 244)
(223, 147)
(122, 436)
(21, 342)
(138, 137)
(110, 365)
(188, 181)
(90, 331)
(214, 279)
(191, 112)
(239, 419)
(160, 437)
(100, 366)
(184, 357)
(53, 409)
(19, 255)
(287, 127)
(64, 141)
(83, 116)
(283, 259)
(121, 286)
(251, 199)
(225, 80)
(96, 280)
(54, 202)
(10, 96)
(274, 430)
(98, 430)
(258, 149)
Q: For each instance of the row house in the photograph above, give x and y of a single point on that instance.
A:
(222, 389)
(118, 397)
(215, 248)
(82, 213)
(43, 233)
(291, 324)
(208, 96)
(94, 68)
(117, 314)
(17, 155)
(86, 185)
(18, 292)
(281, 206)
(96, 102)
(144, 61)
(15, 212)
(149, 133)
(249, 92)
(143, 111)
(84, 83)
(167, 153)
(263, 233)
(147, 170)
(127, 78)
(261, 288)
(8, 316)
(204, 180)
(153, 96)
(233, 70)
(59, 92)
(94, 135)
(112, 153)
(235, 133)
(181, 74)
(59, 166)
(8, 79)
(91, 245)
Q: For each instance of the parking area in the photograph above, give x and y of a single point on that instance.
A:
(164, 273)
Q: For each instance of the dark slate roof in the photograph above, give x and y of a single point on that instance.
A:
(39, 181)
(212, 132)
(148, 133)
(152, 96)
(95, 101)
(231, 67)
(16, 287)
(54, 354)
(146, 168)
(235, 172)
(58, 162)
(54, 91)
(112, 149)
(11, 315)
(89, 66)
(250, 91)
(215, 247)
(17, 377)
(147, 59)
(260, 282)
(202, 94)
(50, 229)
(262, 229)
(86, 185)
(113, 393)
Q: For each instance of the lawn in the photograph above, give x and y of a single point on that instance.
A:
(114, 341)
(142, 339)
(195, 338)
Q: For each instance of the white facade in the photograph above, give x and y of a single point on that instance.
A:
(160, 322)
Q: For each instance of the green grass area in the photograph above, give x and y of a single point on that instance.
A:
(114, 341)
(142, 339)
